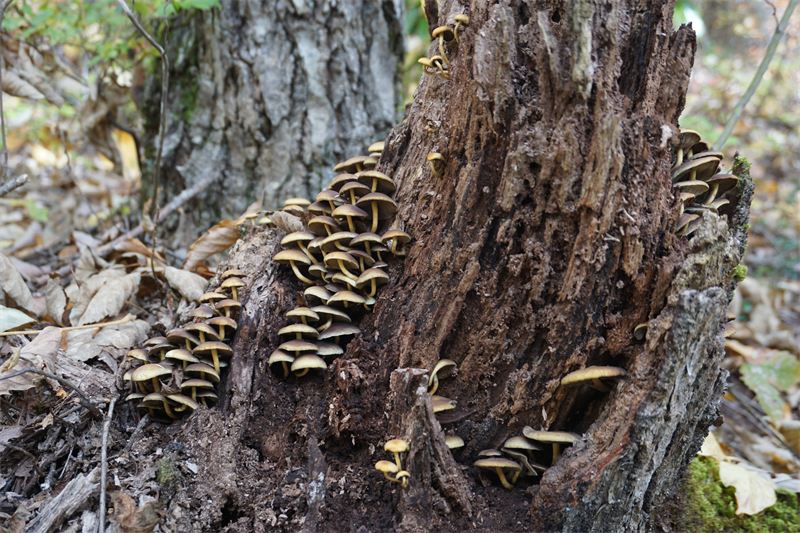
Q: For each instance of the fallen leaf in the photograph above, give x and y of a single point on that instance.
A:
(133, 519)
(14, 286)
(81, 297)
(711, 448)
(216, 240)
(16, 86)
(287, 222)
(189, 284)
(114, 341)
(9, 433)
(110, 299)
(13, 318)
(753, 493)
(136, 246)
(56, 300)
(42, 352)
(252, 209)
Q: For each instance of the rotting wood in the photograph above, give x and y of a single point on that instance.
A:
(436, 479)
(69, 501)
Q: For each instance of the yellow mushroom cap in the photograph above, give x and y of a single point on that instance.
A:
(454, 441)
(396, 446)
(387, 467)
(550, 436)
(591, 373)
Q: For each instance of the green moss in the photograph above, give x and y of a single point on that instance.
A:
(166, 470)
(740, 272)
(711, 507)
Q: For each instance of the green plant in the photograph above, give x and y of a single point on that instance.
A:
(165, 470)
(740, 272)
(709, 506)
(778, 373)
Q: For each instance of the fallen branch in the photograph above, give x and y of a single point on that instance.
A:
(136, 432)
(10, 185)
(84, 401)
(762, 69)
(68, 501)
(124, 320)
(104, 466)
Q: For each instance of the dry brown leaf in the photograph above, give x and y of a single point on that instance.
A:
(56, 300)
(711, 448)
(753, 493)
(14, 286)
(190, 285)
(109, 299)
(88, 264)
(13, 318)
(42, 351)
(108, 344)
(9, 433)
(287, 222)
(80, 297)
(14, 85)
(138, 247)
(252, 209)
(133, 519)
(217, 239)
(31, 73)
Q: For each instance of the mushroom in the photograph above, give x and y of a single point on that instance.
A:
(305, 314)
(150, 372)
(299, 240)
(306, 362)
(374, 277)
(382, 207)
(279, 356)
(229, 307)
(194, 384)
(433, 380)
(354, 190)
(399, 240)
(215, 348)
(338, 329)
(299, 202)
(183, 355)
(351, 213)
(440, 403)
(299, 330)
(328, 313)
(344, 261)
(293, 258)
(234, 283)
(232, 272)
(640, 331)
(203, 330)
(388, 467)
(377, 147)
(454, 441)
(222, 322)
(720, 184)
(396, 446)
(211, 298)
(444, 34)
(594, 374)
(156, 397)
(498, 464)
(556, 438)
(181, 336)
(432, 158)
(461, 20)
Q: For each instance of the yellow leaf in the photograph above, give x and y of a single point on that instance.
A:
(218, 239)
(753, 493)
(711, 448)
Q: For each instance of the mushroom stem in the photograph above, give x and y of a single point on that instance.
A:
(325, 326)
(304, 249)
(373, 288)
(435, 385)
(215, 358)
(397, 460)
(302, 372)
(599, 385)
(156, 386)
(712, 194)
(168, 409)
(352, 226)
(395, 251)
(299, 275)
(285, 369)
(345, 271)
(441, 49)
(374, 217)
(235, 297)
(556, 451)
(433, 169)
(503, 479)
(679, 159)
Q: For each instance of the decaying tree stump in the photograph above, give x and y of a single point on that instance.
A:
(548, 238)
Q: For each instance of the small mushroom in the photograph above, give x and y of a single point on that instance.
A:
(640, 331)
(433, 380)
(461, 20)
(444, 34)
(498, 464)
(433, 158)
(556, 438)
(396, 446)
(307, 362)
(223, 322)
(233, 283)
(215, 348)
(388, 467)
(595, 375)
(454, 441)
(279, 356)
(293, 258)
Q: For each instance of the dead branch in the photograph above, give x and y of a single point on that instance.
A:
(69, 500)
(16, 182)
(104, 466)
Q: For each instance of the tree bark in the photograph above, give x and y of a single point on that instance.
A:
(549, 237)
(267, 97)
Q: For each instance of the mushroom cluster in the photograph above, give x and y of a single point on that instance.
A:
(396, 446)
(341, 257)
(696, 176)
(439, 65)
(179, 371)
(516, 457)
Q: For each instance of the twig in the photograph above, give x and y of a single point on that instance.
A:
(135, 435)
(2, 114)
(15, 183)
(104, 466)
(762, 69)
(767, 427)
(64, 383)
(124, 320)
(164, 88)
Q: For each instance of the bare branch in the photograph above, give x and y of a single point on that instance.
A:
(762, 69)
(14, 183)
(64, 383)
(104, 466)
(164, 88)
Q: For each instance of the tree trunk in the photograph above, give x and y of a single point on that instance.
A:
(265, 98)
(549, 237)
